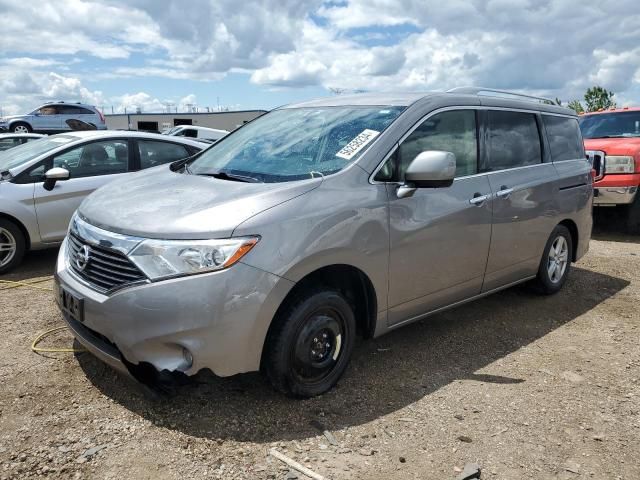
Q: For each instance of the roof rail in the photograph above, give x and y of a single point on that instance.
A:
(503, 93)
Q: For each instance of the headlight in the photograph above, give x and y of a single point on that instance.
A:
(619, 164)
(171, 258)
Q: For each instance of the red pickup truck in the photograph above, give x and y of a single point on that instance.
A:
(612, 143)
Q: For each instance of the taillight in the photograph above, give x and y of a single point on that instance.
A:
(101, 115)
(619, 164)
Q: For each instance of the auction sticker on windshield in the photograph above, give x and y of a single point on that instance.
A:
(354, 146)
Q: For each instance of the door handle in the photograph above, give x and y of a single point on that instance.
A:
(504, 192)
(478, 199)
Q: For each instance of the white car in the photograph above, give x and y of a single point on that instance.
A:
(43, 182)
(10, 140)
(209, 135)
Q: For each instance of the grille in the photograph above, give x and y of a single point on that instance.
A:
(597, 158)
(103, 268)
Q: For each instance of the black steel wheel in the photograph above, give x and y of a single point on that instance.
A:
(310, 343)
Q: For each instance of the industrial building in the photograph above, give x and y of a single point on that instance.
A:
(153, 122)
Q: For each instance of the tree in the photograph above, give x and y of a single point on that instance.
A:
(576, 105)
(598, 98)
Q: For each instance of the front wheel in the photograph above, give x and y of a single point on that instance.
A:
(310, 344)
(556, 261)
(12, 245)
(21, 127)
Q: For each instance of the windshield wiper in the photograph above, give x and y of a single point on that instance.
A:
(232, 177)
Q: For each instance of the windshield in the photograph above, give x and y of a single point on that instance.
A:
(172, 130)
(607, 125)
(296, 143)
(28, 151)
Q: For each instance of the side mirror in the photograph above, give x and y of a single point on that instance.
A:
(53, 175)
(430, 169)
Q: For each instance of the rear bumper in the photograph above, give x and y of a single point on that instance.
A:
(612, 195)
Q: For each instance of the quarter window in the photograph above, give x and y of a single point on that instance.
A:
(565, 140)
(513, 140)
(154, 153)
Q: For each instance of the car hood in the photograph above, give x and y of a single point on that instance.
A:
(159, 203)
(8, 118)
(614, 146)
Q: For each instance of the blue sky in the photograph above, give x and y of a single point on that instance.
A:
(263, 53)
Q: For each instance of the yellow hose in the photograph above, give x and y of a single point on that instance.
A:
(39, 338)
(15, 284)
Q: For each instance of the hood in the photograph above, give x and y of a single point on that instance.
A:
(614, 146)
(159, 203)
(8, 118)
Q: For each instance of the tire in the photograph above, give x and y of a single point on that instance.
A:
(21, 127)
(632, 216)
(10, 235)
(310, 343)
(559, 251)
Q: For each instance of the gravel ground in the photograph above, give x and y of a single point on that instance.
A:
(525, 386)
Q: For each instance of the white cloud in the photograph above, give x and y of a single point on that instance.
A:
(550, 47)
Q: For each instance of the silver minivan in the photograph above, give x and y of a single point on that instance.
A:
(322, 221)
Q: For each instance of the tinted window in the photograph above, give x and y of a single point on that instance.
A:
(97, 158)
(73, 110)
(154, 153)
(513, 140)
(190, 132)
(564, 137)
(453, 131)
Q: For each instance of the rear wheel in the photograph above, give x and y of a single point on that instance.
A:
(21, 127)
(12, 245)
(310, 345)
(632, 216)
(556, 261)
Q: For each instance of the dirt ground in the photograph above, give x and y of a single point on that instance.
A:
(523, 385)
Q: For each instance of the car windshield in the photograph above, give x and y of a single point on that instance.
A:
(296, 143)
(28, 151)
(611, 125)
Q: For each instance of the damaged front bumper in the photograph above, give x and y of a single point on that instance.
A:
(216, 320)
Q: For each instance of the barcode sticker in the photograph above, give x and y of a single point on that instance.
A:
(354, 146)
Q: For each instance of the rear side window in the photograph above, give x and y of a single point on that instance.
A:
(513, 140)
(565, 140)
(154, 153)
(73, 110)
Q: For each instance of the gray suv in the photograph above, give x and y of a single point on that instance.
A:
(322, 221)
(53, 118)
